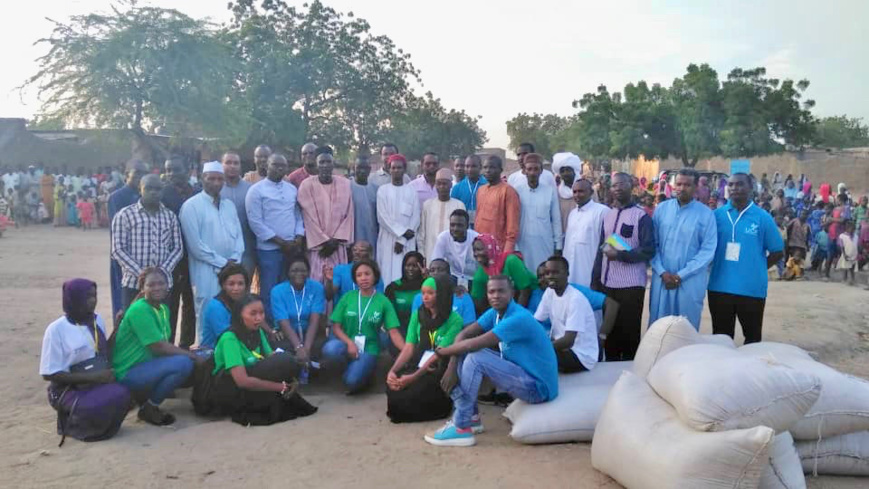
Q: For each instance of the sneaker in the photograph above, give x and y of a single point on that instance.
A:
(450, 436)
(477, 424)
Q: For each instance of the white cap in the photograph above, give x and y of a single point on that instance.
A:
(212, 166)
(566, 159)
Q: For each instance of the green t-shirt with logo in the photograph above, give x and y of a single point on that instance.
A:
(443, 336)
(230, 352)
(143, 325)
(379, 312)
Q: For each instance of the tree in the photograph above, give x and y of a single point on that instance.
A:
(539, 129)
(325, 68)
(137, 67)
(842, 132)
(698, 114)
(425, 125)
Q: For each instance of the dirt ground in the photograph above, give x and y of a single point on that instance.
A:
(349, 442)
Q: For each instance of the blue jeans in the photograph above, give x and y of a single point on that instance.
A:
(271, 272)
(357, 372)
(158, 377)
(507, 377)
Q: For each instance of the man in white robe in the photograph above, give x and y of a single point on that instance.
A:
(567, 166)
(398, 215)
(212, 234)
(582, 238)
(436, 213)
(540, 233)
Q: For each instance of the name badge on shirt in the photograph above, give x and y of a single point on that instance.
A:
(731, 253)
(472, 215)
(463, 282)
(359, 340)
(425, 356)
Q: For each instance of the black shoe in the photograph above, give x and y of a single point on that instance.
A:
(503, 399)
(488, 399)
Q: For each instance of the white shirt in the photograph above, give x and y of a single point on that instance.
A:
(517, 177)
(66, 344)
(460, 256)
(571, 312)
(582, 239)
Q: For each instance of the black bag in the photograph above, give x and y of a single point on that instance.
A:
(203, 389)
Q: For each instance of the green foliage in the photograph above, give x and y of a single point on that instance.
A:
(842, 132)
(696, 117)
(542, 130)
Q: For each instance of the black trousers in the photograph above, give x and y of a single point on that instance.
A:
(181, 296)
(623, 341)
(726, 308)
(568, 363)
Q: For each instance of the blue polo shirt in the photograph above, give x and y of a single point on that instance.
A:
(297, 306)
(524, 343)
(757, 236)
(343, 283)
(463, 305)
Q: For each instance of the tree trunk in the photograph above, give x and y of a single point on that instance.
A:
(144, 149)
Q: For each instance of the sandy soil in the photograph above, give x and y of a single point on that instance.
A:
(348, 442)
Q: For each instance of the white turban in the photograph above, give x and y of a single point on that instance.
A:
(212, 166)
(566, 159)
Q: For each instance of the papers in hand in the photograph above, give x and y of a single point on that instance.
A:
(617, 243)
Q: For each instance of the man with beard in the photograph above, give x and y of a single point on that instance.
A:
(364, 203)
(260, 159)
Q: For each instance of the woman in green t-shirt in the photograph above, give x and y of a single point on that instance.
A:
(414, 392)
(356, 322)
(143, 357)
(493, 261)
(252, 383)
(401, 292)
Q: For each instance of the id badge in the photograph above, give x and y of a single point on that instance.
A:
(731, 253)
(463, 282)
(472, 215)
(425, 356)
(359, 340)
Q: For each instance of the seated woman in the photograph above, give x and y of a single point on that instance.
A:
(143, 358)
(90, 404)
(462, 302)
(297, 306)
(414, 391)
(356, 321)
(493, 262)
(217, 313)
(251, 383)
(401, 292)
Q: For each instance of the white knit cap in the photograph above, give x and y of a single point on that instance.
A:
(212, 166)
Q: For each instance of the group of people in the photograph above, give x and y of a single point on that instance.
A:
(282, 278)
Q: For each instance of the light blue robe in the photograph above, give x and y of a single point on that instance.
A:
(685, 241)
(539, 224)
(212, 236)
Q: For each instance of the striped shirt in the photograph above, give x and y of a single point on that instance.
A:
(141, 240)
(635, 227)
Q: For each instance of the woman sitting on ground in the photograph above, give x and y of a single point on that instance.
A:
(401, 292)
(493, 261)
(297, 306)
(252, 383)
(143, 358)
(90, 404)
(414, 391)
(217, 314)
(356, 322)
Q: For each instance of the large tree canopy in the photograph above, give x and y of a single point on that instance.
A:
(696, 117)
(842, 132)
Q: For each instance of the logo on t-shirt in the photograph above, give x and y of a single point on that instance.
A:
(751, 229)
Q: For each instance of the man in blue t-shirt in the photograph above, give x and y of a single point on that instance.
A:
(526, 367)
(748, 244)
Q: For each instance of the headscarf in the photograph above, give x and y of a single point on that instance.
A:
(443, 304)
(496, 254)
(75, 295)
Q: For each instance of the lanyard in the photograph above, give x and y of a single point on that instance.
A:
(432, 336)
(361, 311)
(473, 192)
(299, 309)
(734, 223)
(96, 337)
(256, 355)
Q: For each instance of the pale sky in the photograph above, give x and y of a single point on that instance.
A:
(496, 59)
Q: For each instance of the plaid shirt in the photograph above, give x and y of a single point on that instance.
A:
(141, 240)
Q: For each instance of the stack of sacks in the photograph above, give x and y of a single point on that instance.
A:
(572, 416)
(707, 417)
(833, 437)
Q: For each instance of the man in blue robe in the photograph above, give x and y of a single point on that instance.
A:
(685, 241)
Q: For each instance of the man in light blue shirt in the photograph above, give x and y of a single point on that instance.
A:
(466, 189)
(748, 244)
(275, 218)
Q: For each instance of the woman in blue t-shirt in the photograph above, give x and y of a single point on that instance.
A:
(217, 314)
(297, 308)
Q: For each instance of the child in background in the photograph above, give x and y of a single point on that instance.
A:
(19, 207)
(819, 250)
(86, 211)
(782, 230)
(71, 211)
(42, 212)
(848, 259)
(4, 213)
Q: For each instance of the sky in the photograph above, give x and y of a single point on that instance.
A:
(498, 59)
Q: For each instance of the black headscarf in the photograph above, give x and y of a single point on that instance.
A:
(75, 296)
(443, 306)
